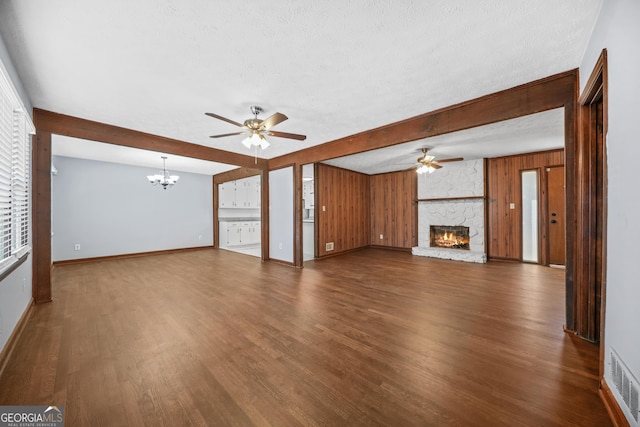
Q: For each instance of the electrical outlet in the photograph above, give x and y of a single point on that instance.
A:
(512, 205)
(200, 237)
(329, 246)
(279, 245)
(76, 247)
(381, 237)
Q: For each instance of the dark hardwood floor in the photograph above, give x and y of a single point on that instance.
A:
(374, 337)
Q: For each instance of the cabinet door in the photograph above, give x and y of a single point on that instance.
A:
(251, 187)
(256, 194)
(234, 234)
(227, 194)
(257, 235)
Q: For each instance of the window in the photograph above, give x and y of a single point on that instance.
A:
(16, 128)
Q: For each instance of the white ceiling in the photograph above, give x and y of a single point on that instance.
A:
(83, 149)
(536, 132)
(335, 68)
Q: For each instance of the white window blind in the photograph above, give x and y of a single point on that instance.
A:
(16, 128)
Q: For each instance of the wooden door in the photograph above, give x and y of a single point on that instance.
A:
(556, 212)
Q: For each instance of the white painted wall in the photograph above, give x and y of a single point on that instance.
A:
(456, 179)
(111, 209)
(281, 214)
(618, 30)
(15, 289)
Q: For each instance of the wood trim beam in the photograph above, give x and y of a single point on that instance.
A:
(61, 124)
(41, 215)
(235, 174)
(264, 213)
(541, 95)
(297, 216)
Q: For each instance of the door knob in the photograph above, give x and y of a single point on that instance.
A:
(553, 214)
(553, 221)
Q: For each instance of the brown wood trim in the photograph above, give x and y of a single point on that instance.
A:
(297, 216)
(615, 412)
(485, 168)
(555, 150)
(125, 256)
(264, 213)
(216, 222)
(440, 199)
(41, 215)
(591, 252)
(541, 95)
(62, 124)
(572, 207)
(235, 174)
(6, 352)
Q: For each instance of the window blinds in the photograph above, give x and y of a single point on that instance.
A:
(16, 128)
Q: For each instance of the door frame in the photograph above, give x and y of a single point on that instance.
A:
(591, 195)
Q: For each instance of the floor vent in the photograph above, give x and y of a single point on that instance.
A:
(626, 384)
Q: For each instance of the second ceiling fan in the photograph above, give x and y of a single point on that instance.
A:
(428, 163)
(256, 129)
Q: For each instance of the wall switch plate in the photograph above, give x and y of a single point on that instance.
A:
(324, 208)
(279, 245)
(76, 247)
(381, 237)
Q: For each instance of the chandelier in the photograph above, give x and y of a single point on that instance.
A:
(163, 178)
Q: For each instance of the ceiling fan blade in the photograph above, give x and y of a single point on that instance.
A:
(273, 120)
(426, 159)
(456, 159)
(287, 135)
(226, 134)
(224, 119)
(435, 165)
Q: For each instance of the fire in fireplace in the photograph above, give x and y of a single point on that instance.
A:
(450, 237)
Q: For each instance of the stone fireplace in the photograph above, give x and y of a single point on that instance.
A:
(451, 200)
(451, 237)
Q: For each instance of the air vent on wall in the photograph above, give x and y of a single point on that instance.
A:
(626, 384)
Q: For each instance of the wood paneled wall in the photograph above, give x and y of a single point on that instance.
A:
(504, 188)
(394, 210)
(342, 209)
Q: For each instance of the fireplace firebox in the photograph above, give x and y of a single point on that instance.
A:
(449, 237)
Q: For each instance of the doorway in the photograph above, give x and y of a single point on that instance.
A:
(556, 217)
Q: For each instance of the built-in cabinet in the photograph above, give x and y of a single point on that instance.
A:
(239, 233)
(240, 194)
(308, 196)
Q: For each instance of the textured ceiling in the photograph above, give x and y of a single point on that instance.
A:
(335, 68)
(536, 132)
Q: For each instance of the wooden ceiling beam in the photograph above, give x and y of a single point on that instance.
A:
(534, 97)
(76, 127)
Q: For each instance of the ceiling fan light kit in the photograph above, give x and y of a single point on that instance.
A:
(258, 128)
(427, 163)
